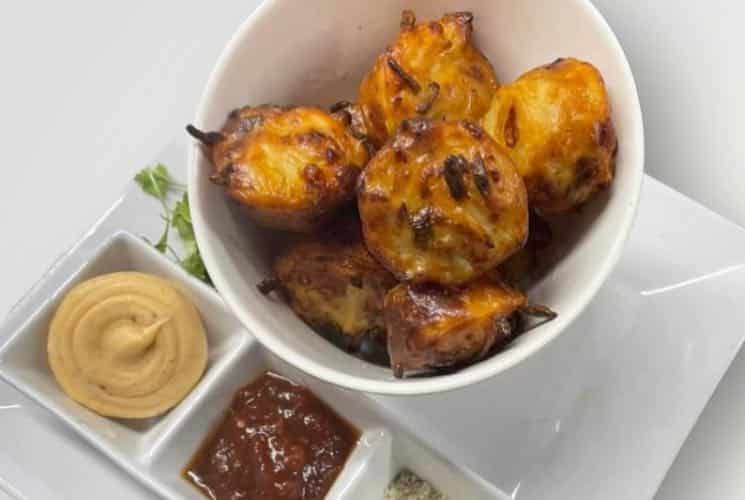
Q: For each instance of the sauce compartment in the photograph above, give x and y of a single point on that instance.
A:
(176, 452)
(276, 438)
(23, 359)
(383, 449)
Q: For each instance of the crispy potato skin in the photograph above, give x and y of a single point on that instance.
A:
(289, 167)
(556, 122)
(442, 203)
(449, 78)
(332, 282)
(430, 326)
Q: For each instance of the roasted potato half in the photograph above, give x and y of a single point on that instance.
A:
(289, 167)
(433, 70)
(442, 202)
(333, 283)
(430, 326)
(556, 123)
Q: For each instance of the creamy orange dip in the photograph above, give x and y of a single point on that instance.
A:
(127, 345)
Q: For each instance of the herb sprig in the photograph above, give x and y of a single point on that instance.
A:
(157, 182)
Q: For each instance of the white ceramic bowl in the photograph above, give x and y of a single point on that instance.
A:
(315, 52)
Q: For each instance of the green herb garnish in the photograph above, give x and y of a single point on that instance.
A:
(181, 220)
(158, 182)
(155, 181)
(194, 265)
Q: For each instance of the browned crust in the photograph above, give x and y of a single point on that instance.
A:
(430, 326)
(257, 142)
(427, 199)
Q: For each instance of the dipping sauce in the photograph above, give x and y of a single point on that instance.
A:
(127, 345)
(277, 441)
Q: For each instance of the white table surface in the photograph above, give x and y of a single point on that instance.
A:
(91, 90)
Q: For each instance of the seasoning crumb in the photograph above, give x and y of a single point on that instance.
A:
(409, 486)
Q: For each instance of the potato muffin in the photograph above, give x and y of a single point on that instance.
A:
(556, 123)
(332, 282)
(289, 167)
(430, 326)
(442, 203)
(431, 70)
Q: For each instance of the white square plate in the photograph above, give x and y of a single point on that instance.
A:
(600, 413)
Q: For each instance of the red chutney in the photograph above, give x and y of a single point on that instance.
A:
(277, 441)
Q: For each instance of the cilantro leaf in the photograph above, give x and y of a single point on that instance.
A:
(194, 265)
(181, 220)
(155, 181)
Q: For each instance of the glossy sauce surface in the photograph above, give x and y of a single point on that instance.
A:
(277, 441)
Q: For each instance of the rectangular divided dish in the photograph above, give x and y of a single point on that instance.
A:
(156, 450)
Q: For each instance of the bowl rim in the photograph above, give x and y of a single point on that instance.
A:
(478, 372)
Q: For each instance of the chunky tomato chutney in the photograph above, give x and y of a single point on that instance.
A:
(277, 441)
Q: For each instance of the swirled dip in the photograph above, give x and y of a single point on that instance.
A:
(127, 345)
